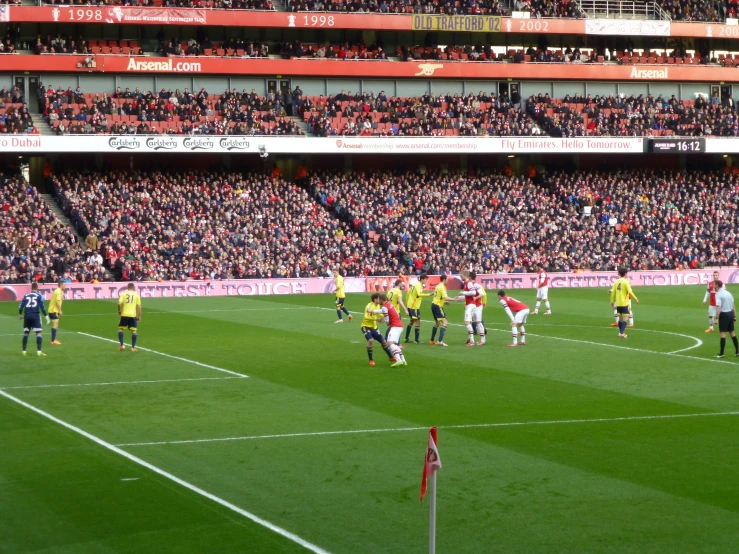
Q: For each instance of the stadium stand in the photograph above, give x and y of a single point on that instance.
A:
(203, 225)
(167, 112)
(449, 7)
(35, 245)
(498, 115)
(211, 225)
(210, 4)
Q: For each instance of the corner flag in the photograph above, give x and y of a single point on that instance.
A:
(432, 463)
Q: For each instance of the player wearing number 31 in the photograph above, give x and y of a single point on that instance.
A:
(129, 308)
(620, 295)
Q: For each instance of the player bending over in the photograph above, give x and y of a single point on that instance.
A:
(621, 295)
(369, 327)
(129, 309)
(518, 312)
(55, 310)
(394, 327)
(471, 292)
(413, 301)
(542, 290)
(441, 299)
(710, 296)
(28, 311)
(340, 298)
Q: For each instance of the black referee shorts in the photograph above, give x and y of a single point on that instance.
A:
(726, 322)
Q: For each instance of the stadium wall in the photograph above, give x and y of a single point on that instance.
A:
(266, 287)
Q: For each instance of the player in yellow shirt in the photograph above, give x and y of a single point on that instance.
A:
(373, 313)
(340, 297)
(129, 308)
(395, 296)
(55, 310)
(440, 300)
(621, 295)
(413, 301)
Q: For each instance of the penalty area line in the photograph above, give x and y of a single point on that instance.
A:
(169, 356)
(467, 426)
(61, 385)
(135, 459)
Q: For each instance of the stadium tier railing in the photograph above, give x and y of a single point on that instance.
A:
(622, 9)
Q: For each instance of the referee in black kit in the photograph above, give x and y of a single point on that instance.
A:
(726, 317)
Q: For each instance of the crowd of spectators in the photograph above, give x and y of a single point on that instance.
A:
(488, 114)
(183, 224)
(444, 222)
(357, 50)
(550, 8)
(35, 245)
(448, 7)
(232, 47)
(211, 225)
(696, 10)
(222, 4)
(169, 112)
(14, 116)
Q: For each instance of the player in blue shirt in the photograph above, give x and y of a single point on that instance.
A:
(28, 311)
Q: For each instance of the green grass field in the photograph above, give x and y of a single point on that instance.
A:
(580, 442)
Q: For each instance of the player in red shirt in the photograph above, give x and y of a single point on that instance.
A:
(472, 307)
(395, 328)
(711, 298)
(518, 312)
(542, 290)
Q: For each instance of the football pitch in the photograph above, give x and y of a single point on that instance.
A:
(255, 424)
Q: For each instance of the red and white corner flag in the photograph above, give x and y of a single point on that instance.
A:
(432, 463)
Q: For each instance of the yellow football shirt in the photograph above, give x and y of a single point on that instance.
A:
(55, 305)
(414, 296)
(128, 302)
(440, 295)
(339, 280)
(394, 295)
(370, 319)
(484, 295)
(621, 293)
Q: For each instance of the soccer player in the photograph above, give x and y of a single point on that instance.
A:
(129, 308)
(369, 327)
(542, 290)
(617, 317)
(413, 301)
(395, 296)
(441, 299)
(473, 300)
(395, 328)
(484, 302)
(518, 312)
(55, 310)
(621, 295)
(340, 297)
(726, 317)
(710, 296)
(28, 311)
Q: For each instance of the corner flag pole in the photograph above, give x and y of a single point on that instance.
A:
(431, 464)
(432, 514)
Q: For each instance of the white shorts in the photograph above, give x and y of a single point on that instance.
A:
(469, 312)
(541, 293)
(520, 317)
(478, 314)
(711, 311)
(393, 334)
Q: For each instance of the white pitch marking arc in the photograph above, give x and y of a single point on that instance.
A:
(698, 342)
(467, 426)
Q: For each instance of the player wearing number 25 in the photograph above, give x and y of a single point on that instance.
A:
(28, 311)
(129, 308)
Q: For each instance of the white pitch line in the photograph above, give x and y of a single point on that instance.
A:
(468, 426)
(135, 459)
(150, 312)
(169, 356)
(118, 383)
